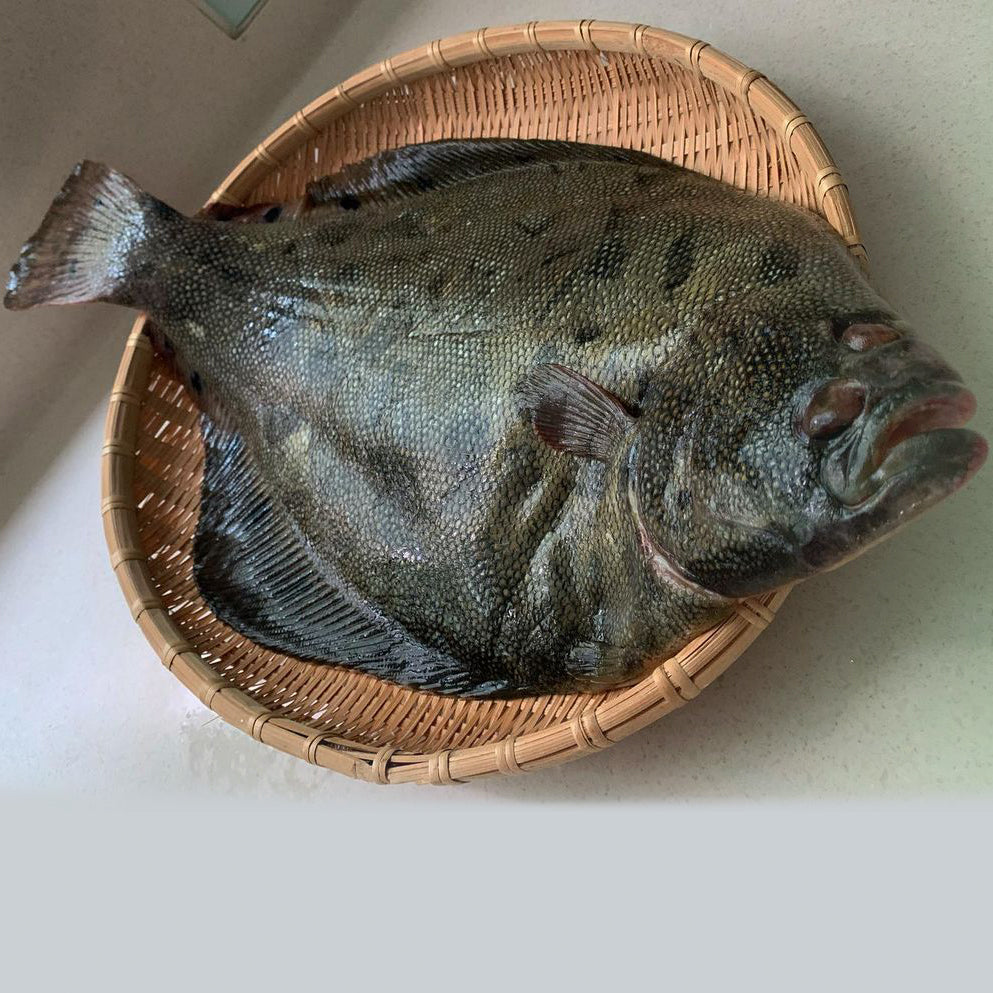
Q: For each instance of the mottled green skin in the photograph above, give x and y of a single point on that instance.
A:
(363, 366)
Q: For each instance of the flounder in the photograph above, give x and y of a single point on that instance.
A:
(497, 417)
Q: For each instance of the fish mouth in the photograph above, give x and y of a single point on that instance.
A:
(911, 451)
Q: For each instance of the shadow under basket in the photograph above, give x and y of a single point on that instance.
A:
(594, 81)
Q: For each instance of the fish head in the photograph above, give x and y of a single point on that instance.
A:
(791, 445)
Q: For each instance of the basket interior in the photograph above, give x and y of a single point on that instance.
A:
(616, 99)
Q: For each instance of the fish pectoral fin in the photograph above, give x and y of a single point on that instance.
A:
(571, 413)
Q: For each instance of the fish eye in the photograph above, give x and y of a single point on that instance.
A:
(833, 407)
(860, 337)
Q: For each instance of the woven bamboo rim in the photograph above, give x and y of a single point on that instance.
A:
(606, 82)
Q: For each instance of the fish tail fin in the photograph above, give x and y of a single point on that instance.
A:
(84, 249)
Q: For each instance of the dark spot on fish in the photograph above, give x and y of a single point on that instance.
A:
(410, 255)
(349, 201)
(340, 233)
(646, 177)
(345, 272)
(196, 382)
(679, 261)
(408, 226)
(221, 261)
(605, 264)
(290, 248)
(559, 253)
(404, 323)
(534, 223)
(272, 214)
(644, 382)
(298, 500)
(609, 258)
(586, 333)
(611, 252)
(683, 499)
(233, 273)
(395, 472)
(279, 423)
(779, 263)
(438, 283)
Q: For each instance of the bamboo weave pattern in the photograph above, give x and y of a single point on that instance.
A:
(610, 83)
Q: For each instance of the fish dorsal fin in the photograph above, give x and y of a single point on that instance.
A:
(264, 213)
(260, 576)
(571, 413)
(416, 169)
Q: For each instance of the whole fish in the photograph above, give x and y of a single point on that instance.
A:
(512, 417)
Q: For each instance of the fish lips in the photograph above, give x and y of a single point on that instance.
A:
(906, 453)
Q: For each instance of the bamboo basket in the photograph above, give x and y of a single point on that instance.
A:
(605, 82)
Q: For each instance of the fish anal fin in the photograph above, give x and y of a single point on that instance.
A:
(259, 576)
